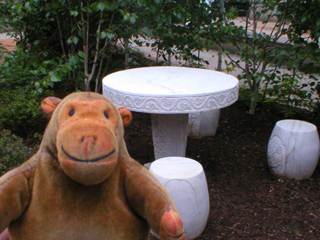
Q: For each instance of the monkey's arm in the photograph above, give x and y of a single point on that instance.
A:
(14, 195)
(151, 201)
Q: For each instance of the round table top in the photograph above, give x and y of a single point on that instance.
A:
(171, 89)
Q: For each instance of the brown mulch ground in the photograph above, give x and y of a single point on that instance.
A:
(247, 202)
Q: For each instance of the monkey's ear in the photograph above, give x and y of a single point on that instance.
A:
(48, 106)
(126, 116)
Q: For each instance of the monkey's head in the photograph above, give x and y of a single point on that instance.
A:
(86, 131)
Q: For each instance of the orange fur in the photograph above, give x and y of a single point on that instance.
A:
(82, 183)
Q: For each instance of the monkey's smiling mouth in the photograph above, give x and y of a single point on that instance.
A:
(86, 160)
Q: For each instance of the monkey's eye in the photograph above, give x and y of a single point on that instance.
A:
(106, 114)
(71, 112)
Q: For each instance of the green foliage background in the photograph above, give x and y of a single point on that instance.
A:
(74, 44)
(13, 152)
(68, 45)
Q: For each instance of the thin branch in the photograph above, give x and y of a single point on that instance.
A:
(96, 56)
(107, 41)
(60, 34)
(85, 43)
(75, 21)
(226, 22)
(105, 71)
(247, 49)
(98, 74)
(254, 34)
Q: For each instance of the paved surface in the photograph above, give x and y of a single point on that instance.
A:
(7, 42)
(4, 36)
(212, 56)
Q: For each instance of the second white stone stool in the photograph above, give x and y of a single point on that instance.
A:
(186, 182)
(202, 124)
(293, 149)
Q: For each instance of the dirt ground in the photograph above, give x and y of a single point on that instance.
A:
(247, 202)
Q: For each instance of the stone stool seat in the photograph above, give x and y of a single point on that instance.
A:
(186, 182)
(293, 149)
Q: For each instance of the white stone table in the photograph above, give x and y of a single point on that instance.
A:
(170, 94)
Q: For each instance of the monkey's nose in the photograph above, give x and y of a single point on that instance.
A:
(88, 144)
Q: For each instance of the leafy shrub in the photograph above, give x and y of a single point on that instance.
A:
(20, 111)
(12, 151)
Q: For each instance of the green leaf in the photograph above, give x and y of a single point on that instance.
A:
(103, 35)
(132, 20)
(54, 77)
(74, 60)
(52, 62)
(110, 35)
(27, 6)
(81, 54)
(66, 68)
(75, 40)
(101, 6)
(126, 16)
(74, 13)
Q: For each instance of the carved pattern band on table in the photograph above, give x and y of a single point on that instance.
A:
(173, 104)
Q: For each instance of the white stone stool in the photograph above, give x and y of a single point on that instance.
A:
(293, 149)
(186, 182)
(202, 124)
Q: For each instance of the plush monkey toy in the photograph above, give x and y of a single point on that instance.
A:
(82, 183)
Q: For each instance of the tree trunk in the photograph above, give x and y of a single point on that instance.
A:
(253, 105)
(126, 54)
(254, 101)
(219, 68)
